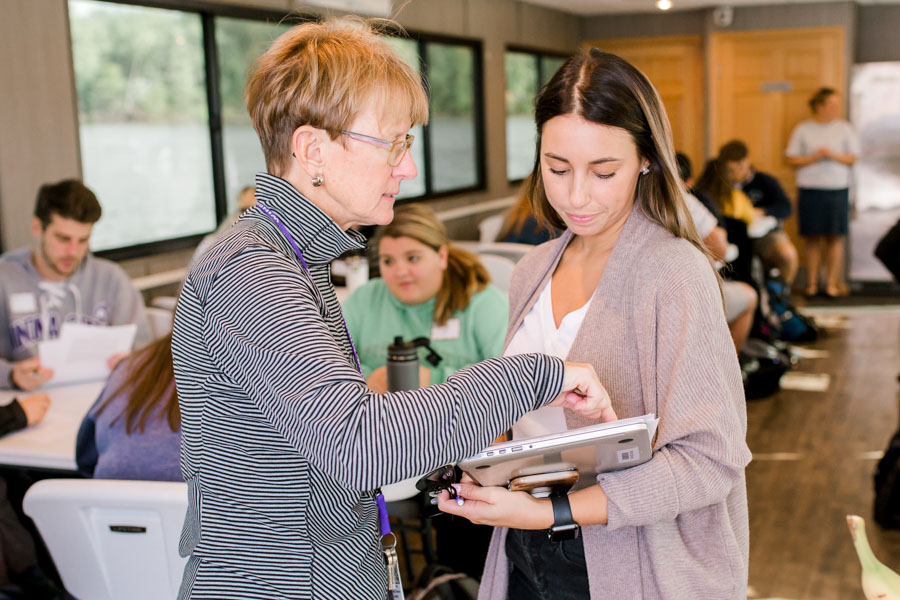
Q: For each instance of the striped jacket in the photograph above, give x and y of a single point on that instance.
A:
(282, 442)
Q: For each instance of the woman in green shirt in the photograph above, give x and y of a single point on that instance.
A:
(428, 288)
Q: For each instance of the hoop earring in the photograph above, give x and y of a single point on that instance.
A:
(317, 181)
(645, 170)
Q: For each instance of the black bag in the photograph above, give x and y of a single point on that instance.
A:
(762, 365)
(888, 250)
(438, 582)
(887, 486)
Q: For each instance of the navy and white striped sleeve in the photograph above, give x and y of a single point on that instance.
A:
(267, 330)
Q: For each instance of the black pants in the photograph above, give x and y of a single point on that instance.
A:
(545, 570)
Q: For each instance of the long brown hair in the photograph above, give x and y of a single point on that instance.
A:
(148, 387)
(517, 215)
(464, 276)
(605, 89)
(712, 181)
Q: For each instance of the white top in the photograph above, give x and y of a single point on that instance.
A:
(826, 174)
(704, 221)
(538, 333)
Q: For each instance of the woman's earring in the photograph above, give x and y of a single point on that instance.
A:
(317, 181)
(645, 170)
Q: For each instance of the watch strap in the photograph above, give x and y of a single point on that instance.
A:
(564, 525)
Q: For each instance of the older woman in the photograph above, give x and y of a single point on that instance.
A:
(823, 150)
(282, 442)
(628, 288)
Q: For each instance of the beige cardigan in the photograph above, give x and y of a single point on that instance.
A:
(656, 335)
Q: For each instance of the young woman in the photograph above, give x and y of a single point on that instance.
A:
(133, 431)
(428, 288)
(629, 289)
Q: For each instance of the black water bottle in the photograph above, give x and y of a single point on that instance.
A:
(402, 365)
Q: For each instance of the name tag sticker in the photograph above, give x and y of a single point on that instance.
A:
(23, 302)
(447, 331)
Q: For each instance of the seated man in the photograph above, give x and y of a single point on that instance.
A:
(775, 248)
(59, 281)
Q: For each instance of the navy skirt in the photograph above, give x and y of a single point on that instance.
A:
(823, 212)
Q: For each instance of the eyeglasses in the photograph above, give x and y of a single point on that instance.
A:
(396, 150)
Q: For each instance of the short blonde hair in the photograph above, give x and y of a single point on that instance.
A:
(322, 74)
(464, 277)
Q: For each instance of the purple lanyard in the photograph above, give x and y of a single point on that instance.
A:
(287, 234)
(379, 498)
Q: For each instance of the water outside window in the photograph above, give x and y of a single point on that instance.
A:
(140, 79)
(521, 86)
(238, 43)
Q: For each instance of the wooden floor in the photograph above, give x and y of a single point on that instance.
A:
(814, 453)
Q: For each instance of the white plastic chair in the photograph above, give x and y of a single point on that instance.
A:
(166, 302)
(109, 539)
(510, 250)
(160, 321)
(489, 228)
(500, 268)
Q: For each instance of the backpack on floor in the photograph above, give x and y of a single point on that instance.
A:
(438, 582)
(887, 486)
(781, 316)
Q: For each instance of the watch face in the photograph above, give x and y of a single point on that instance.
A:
(559, 533)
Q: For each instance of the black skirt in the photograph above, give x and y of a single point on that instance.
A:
(823, 212)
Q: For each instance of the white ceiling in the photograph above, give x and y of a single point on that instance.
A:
(595, 7)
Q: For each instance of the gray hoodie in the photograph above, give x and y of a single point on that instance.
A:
(31, 309)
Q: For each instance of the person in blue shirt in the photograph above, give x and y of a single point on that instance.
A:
(133, 431)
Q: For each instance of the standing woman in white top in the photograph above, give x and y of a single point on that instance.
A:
(823, 149)
(630, 289)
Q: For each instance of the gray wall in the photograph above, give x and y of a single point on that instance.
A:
(878, 33)
(38, 122)
(686, 22)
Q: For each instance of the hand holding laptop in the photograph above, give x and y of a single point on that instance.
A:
(583, 393)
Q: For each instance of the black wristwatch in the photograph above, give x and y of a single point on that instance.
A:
(564, 526)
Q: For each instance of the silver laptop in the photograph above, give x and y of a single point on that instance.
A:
(589, 450)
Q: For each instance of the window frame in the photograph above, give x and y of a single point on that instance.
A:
(537, 54)
(208, 14)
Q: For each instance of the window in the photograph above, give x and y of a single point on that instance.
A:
(166, 140)
(238, 43)
(145, 142)
(526, 73)
(448, 150)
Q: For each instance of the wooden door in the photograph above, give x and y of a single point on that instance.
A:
(760, 82)
(675, 67)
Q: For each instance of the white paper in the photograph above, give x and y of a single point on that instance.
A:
(805, 382)
(81, 351)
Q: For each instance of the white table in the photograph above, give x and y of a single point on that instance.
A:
(51, 443)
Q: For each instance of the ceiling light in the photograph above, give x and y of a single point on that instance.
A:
(663, 4)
